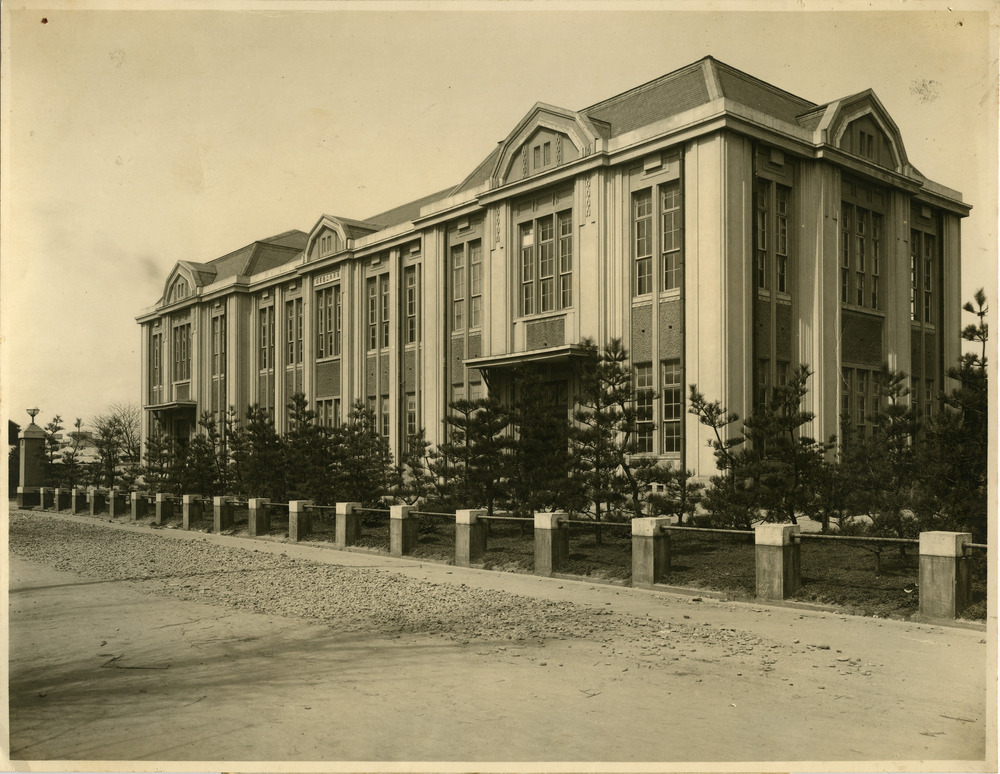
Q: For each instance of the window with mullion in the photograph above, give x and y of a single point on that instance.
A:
(565, 259)
(781, 196)
(475, 283)
(384, 321)
(411, 304)
(527, 232)
(763, 209)
(458, 287)
(673, 405)
(671, 235)
(372, 287)
(546, 264)
(642, 214)
(546, 258)
(644, 408)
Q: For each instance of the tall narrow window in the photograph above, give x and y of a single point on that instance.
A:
(458, 287)
(763, 200)
(182, 352)
(293, 331)
(546, 264)
(411, 304)
(671, 235)
(383, 282)
(328, 322)
(156, 368)
(372, 292)
(845, 252)
(527, 232)
(875, 241)
(385, 416)
(266, 338)
(673, 405)
(914, 263)
(565, 259)
(930, 245)
(781, 237)
(411, 415)
(546, 259)
(475, 284)
(644, 408)
(642, 208)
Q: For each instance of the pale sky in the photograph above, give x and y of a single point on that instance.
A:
(134, 139)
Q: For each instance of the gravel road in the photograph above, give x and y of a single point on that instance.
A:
(350, 599)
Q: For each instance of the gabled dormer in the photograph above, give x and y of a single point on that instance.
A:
(185, 279)
(861, 126)
(332, 235)
(544, 139)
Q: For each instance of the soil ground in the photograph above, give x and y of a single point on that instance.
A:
(119, 669)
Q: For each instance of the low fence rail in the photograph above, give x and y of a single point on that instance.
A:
(941, 563)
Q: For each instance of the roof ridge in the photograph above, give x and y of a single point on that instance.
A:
(760, 82)
(648, 84)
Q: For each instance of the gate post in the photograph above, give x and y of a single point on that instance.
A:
(779, 572)
(140, 506)
(259, 519)
(62, 498)
(551, 542)
(223, 516)
(470, 536)
(192, 509)
(650, 551)
(96, 499)
(78, 499)
(945, 581)
(402, 530)
(299, 519)
(44, 497)
(116, 503)
(348, 530)
(164, 508)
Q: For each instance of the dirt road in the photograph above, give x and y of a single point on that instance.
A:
(119, 650)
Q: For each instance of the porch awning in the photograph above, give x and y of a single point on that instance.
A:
(561, 354)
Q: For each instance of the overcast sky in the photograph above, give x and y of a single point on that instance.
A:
(135, 139)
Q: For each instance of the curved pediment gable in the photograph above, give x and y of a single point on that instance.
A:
(545, 138)
(861, 126)
(184, 281)
(327, 237)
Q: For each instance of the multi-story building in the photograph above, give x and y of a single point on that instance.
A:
(725, 229)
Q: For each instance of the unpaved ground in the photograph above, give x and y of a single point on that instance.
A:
(130, 644)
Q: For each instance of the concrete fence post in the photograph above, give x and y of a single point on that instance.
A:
(551, 542)
(44, 497)
(223, 513)
(140, 506)
(28, 496)
(299, 519)
(62, 498)
(97, 500)
(945, 581)
(402, 530)
(259, 518)
(116, 503)
(650, 551)
(779, 572)
(192, 509)
(470, 536)
(164, 508)
(78, 500)
(348, 529)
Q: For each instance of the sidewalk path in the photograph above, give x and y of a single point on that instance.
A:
(281, 652)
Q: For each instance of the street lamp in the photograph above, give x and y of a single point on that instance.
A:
(33, 412)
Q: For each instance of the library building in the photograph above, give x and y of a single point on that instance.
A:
(724, 229)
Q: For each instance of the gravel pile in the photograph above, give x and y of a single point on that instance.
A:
(346, 598)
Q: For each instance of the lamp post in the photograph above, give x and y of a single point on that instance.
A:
(32, 462)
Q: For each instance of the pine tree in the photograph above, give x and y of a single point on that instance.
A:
(308, 450)
(539, 452)
(605, 417)
(158, 472)
(364, 465)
